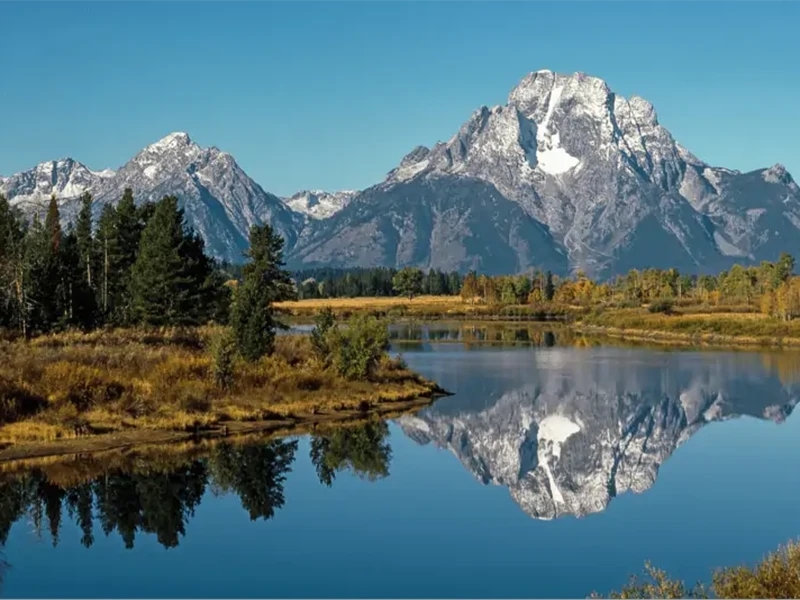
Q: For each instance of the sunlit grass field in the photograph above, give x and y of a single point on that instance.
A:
(74, 384)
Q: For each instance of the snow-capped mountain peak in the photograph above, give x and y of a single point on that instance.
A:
(219, 200)
(319, 204)
(596, 171)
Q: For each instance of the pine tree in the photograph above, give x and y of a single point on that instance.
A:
(264, 282)
(83, 233)
(549, 288)
(408, 282)
(106, 248)
(163, 286)
(12, 270)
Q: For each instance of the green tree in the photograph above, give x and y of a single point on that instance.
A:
(170, 278)
(265, 281)
(408, 282)
(83, 232)
(549, 288)
(469, 287)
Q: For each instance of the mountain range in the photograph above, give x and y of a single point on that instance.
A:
(567, 431)
(566, 175)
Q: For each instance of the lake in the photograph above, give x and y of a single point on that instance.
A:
(557, 468)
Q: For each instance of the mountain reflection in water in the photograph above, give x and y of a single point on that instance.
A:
(566, 429)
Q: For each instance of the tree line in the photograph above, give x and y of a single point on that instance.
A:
(380, 281)
(140, 265)
(137, 266)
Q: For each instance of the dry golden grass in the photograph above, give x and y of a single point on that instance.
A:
(72, 385)
(430, 307)
(716, 327)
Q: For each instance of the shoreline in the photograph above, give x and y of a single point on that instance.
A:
(662, 337)
(286, 426)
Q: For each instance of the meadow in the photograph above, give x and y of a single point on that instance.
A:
(77, 385)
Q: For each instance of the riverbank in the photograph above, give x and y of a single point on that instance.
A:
(427, 308)
(78, 392)
(686, 327)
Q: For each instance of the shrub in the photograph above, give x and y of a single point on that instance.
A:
(324, 321)
(223, 354)
(661, 306)
(357, 349)
(777, 576)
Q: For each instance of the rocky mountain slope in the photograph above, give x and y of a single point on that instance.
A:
(318, 204)
(609, 184)
(220, 201)
(568, 433)
(566, 175)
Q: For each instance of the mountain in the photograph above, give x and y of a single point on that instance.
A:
(318, 204)
(573, 429)
(597, 173)
(444, 223)
(566, 175)
(220, 201)
(66, 178)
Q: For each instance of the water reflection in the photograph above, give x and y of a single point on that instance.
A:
(480, 333)
(566, 430)
(159, 491)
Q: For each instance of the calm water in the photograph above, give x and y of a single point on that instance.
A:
(555, 469)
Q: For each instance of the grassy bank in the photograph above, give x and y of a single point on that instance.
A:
(426, 307)
(687, 326)
(71, 386)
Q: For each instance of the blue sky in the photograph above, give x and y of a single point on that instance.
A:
(332, 95)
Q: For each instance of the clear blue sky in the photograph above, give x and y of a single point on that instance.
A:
(332, 95)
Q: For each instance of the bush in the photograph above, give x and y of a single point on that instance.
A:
(776, 576)
(661, 306)
(324, 321)
(357, 349)
(223, 353)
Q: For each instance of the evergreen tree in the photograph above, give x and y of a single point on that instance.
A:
(264, 282)
(169, 281)
(549, 288)
(12, 270)
(408, 282)
(83, 233)
(106, 248)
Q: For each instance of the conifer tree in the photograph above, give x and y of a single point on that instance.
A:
(264, 282)
(83, 233)
(172, 281)
(12, 291)
(106, 248)
(549, 288)
(158, 286)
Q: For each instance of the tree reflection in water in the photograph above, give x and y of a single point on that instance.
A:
(363, 450)
(158, 495)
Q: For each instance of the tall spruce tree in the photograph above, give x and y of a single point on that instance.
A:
(171, 281)
(12, 270)
(265, 281)
(106, 249)
(83, 234)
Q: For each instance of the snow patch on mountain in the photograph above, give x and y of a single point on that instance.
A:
(319, 204)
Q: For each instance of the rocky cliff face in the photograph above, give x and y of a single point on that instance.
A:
(566, 175)
(220, 201)
(586, 429)
(318, 204)
(598, 172)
